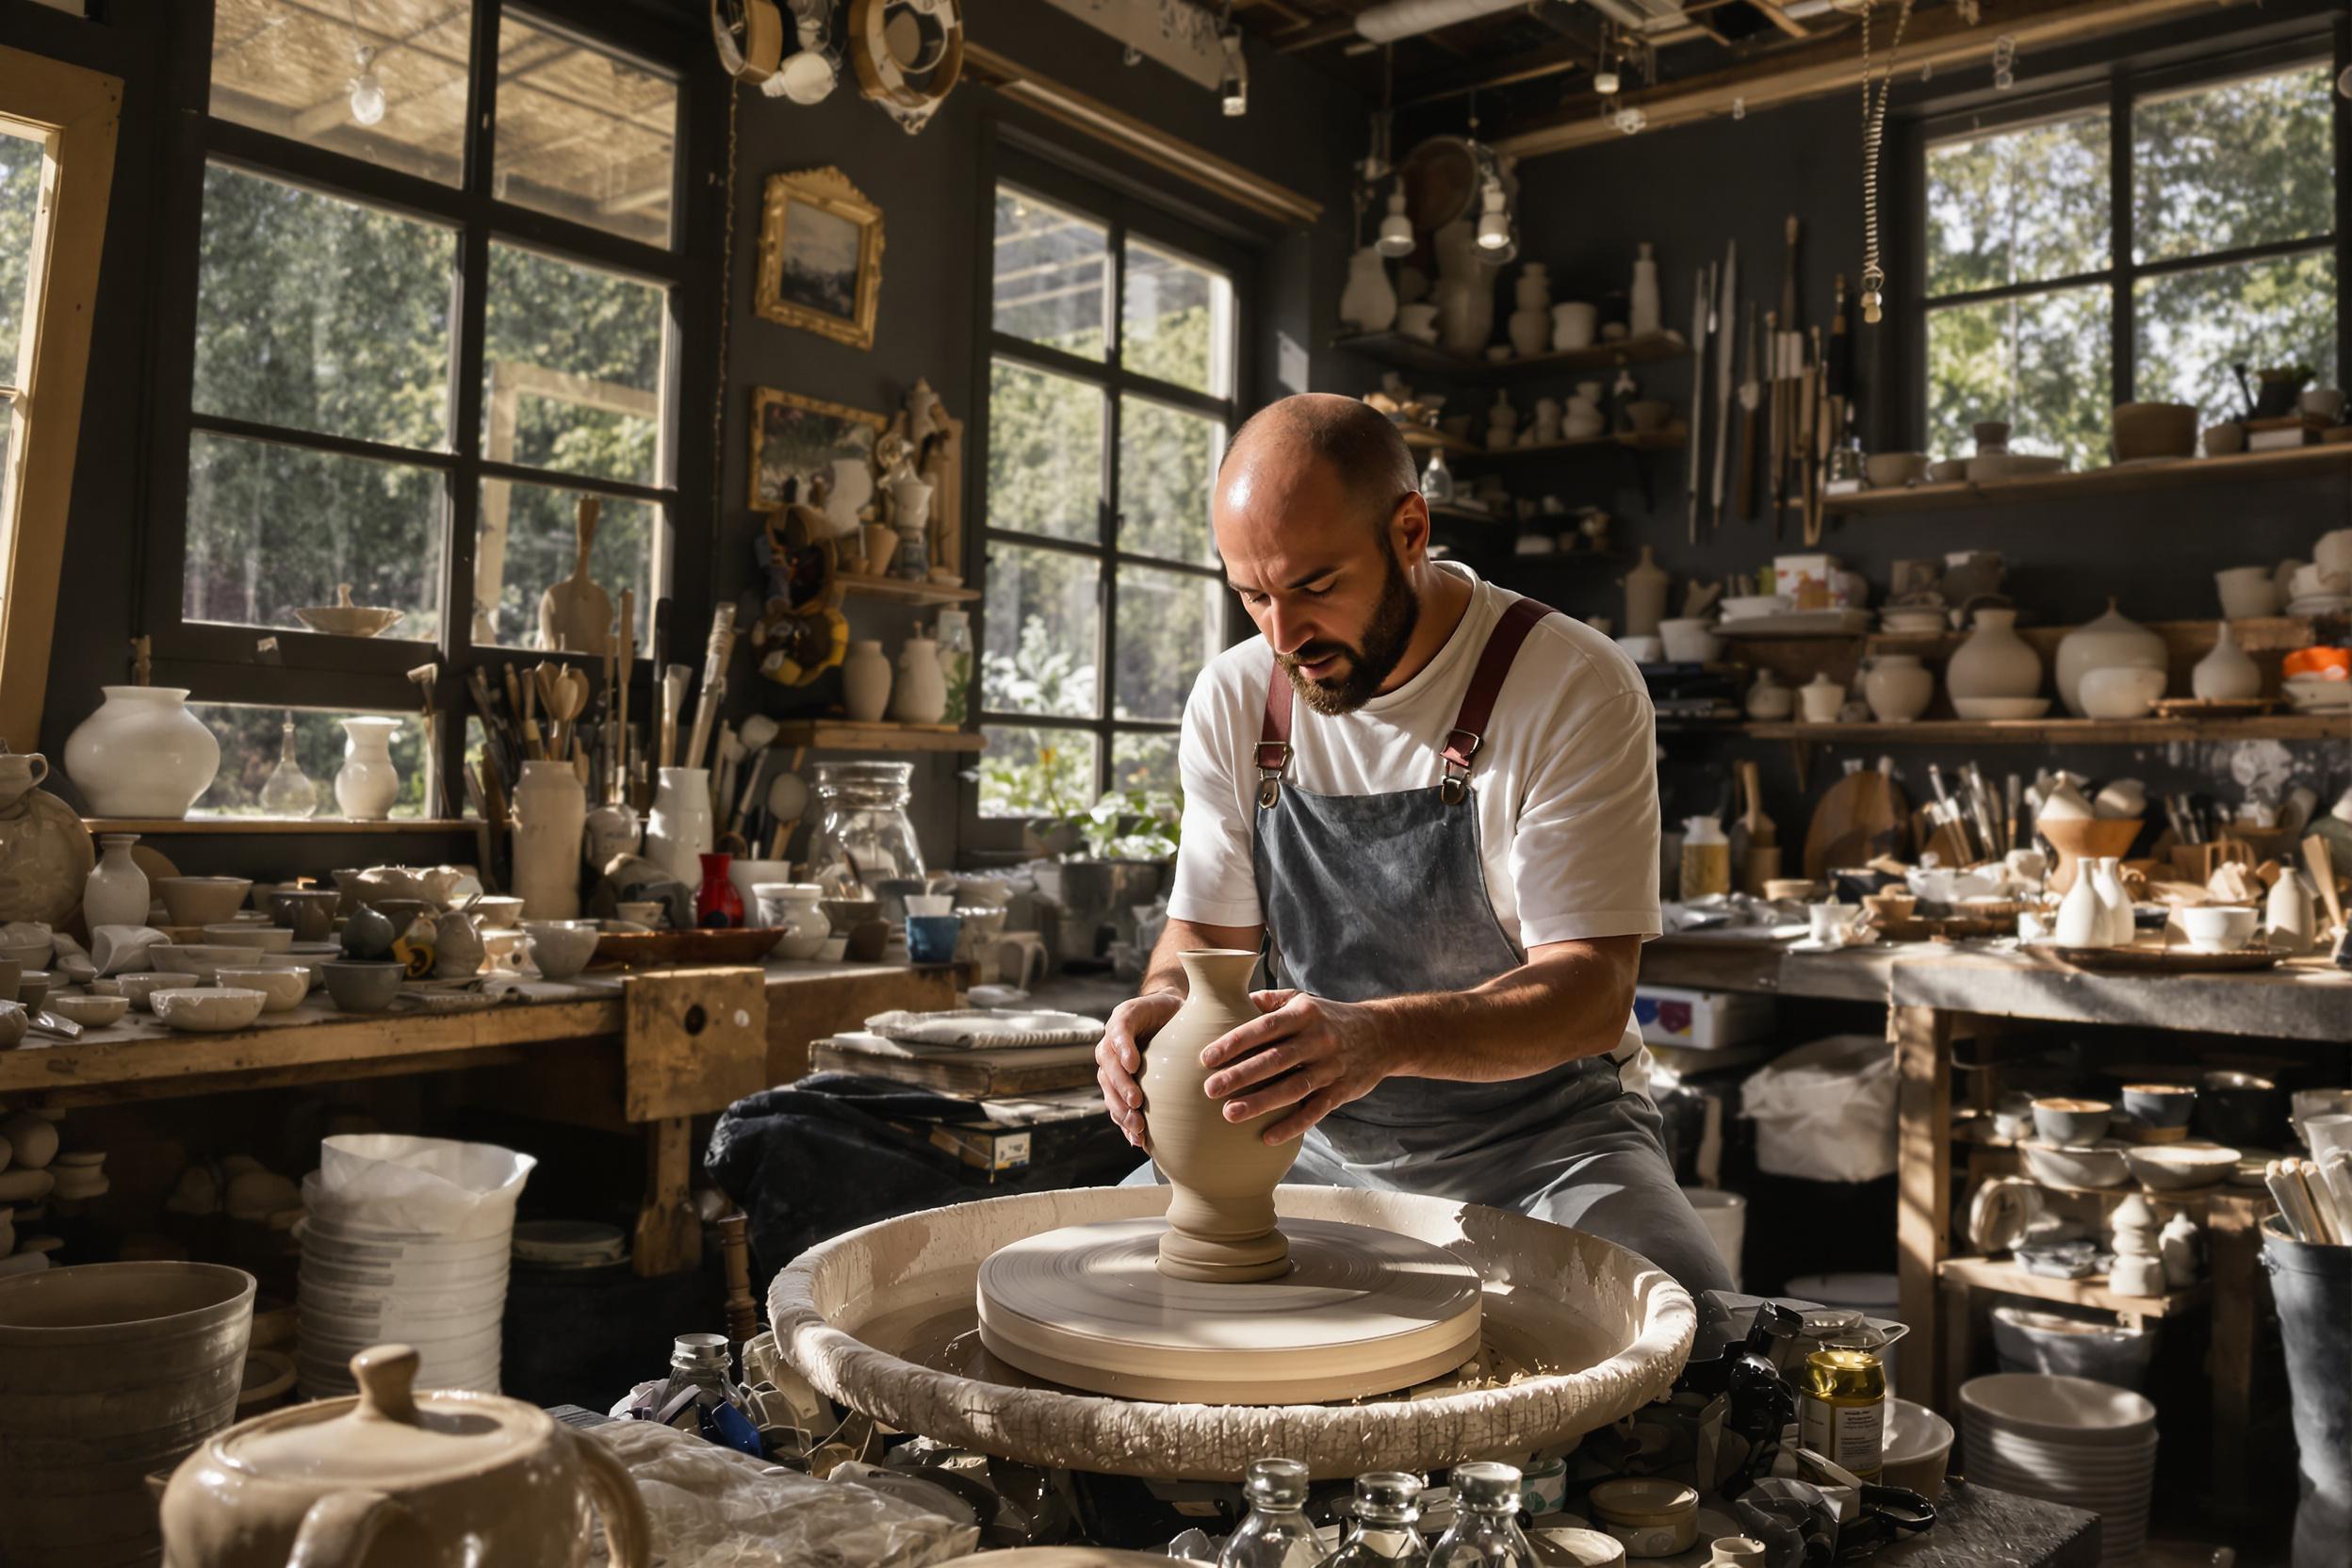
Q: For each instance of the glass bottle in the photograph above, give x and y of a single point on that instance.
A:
(863, 837)
(1276, 1533)
(1437, 479)
(288, 792)
(1485, 1532)
(1387, 1505)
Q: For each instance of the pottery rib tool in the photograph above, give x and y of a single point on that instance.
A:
(425, 677)
(576, 614)
(1699, 303)
(1726, 338)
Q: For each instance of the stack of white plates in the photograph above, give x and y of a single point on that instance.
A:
(2067, 1440)
(364, 1285)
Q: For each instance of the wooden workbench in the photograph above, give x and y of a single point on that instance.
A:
(651, 1050)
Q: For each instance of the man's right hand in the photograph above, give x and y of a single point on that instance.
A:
(1119, 1058)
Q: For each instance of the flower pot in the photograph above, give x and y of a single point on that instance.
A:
(142, 754)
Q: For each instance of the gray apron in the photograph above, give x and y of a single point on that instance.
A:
(1371, 896)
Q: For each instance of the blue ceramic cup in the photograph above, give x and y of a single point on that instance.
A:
(931, 939)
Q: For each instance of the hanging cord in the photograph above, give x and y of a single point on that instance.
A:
(1874, 135)
(726, 262)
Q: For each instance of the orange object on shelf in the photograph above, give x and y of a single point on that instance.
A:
(2328, 663)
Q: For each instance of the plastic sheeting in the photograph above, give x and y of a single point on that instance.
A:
(714, 1508)
(429, 1186)
(1825, 1112)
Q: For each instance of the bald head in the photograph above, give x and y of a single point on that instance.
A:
(1318, 441)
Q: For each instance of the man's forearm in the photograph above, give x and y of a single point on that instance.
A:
(1555, 1008)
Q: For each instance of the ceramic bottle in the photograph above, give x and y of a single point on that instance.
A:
(1220, 1217)
(2114, 903)
(550, 817)
(368, 783)
(1645, 596)
(2113, 640)
(920, 693)
(116, 892)
(2081, 916)
(142, 754)
(679, 833)
(1898, 688)
(288, 792)
(1368, 304)
(1645, 318)
(865, 680)
(2287, 919)
(796, 908)
(1531, 322)
(1995, 662)
(2227, 673)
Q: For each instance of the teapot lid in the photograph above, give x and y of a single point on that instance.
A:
(389, 1437)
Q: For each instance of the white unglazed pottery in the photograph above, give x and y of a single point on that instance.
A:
(1995, 662)
(865, 680)
(920, 693)
(116, 892)
(680, 832)
(1368, 304)
(2118, 692)
(797, 909)
(214, 1010)
(1898, 688)
(142, 754)
(368, 783)
(283, 988)
(2114, 641)
(550, 815)
(2228, 672)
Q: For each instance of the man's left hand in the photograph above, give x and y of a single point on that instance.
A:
(1307, 1053)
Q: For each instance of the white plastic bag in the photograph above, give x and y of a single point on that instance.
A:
(431, 1187)
(1826, 1110)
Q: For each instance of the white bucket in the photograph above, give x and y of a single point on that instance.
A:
(436, 1186)
(1725, 1216)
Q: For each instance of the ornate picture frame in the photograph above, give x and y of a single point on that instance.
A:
(794, 439)
(820, 256)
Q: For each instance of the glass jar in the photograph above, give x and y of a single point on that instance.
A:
(1386, 1506)
(863, 837)
(1276, 1533)
(1485, 1532)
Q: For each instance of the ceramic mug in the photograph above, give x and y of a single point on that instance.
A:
(2248, 592)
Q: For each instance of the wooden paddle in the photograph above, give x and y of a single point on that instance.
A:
(1761, 863)
(575, 614)
(1862, 815)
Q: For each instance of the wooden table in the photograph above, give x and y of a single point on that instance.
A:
(1935, 995)
(651, 1050)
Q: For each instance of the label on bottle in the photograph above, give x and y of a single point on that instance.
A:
(1850, 1436)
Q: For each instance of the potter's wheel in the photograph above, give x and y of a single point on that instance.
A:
(1362, 1311)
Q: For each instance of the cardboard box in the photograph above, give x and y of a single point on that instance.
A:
(1701, 1020)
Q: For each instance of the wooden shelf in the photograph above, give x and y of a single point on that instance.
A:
(2118, 732)
(1422, 438)
(2010, 1278)
(1672, 436)
(901, 590)
(842, 735)
(2188, 472)
(1400, 352)
(213, 827)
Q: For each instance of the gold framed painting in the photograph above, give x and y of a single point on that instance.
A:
(814, 453)
(820, 256)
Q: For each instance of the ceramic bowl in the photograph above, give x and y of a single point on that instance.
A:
(1650, 414)
(1739, 607)
(1950, 471)
(2180, 1166)
(2305, 1104)
(2121, 692)
(14, 1020)
(251, 934)
(202, 900)
(2240, 1110)
(198, 959)
(2224, 440)
(1644, 648)
(2064, 1120)
(91, 1012)
(561, 948)
(2159, 1105)
(1689, 639)
(2088, 1164)
(2217, 927)
(33, 988)
(1999, 466)
(2000, 708)
(499, 911)
(285, 986)
(1919, 1445)
(214, 1010)
(29, 955)
(361, 986)
(137, 988)
(1893, 470)
(2144, 431)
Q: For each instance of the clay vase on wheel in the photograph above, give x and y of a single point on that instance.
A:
(1221, 1221)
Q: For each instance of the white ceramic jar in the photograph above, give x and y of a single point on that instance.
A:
(1368, 304)
(679, 833)
(2227, 674)
(550, 817)
(1821, 698)
(142, 754)
(1573, 325)
(1898, 688)
(1995, 662)
(794, 909)
(1768, 699)
(919, 694)
(2113, 640)
(368, 783)
(116, 892)
(865, 680)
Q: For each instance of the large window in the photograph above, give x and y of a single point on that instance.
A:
(1111, 389)
(437, 300)
(2133, 248)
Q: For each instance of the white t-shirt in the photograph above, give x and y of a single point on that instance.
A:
(1566, 781)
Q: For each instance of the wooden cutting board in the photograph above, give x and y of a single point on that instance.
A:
(1864, 814)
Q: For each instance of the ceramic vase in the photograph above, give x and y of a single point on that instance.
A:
(1464, 292)
(115, 892)
(142, 754)
(717, 906)
(1368, 304)
(866, 681)
(2081, 916)
(1768, 699)
(1898, 688)
(1584, 415)
(1545, 431)
(1645, 318)
(2227, 673)
(458, 949)
(1220, 1215)
(2287, 920)
(2114, 903)
(288, 792)
(1502, 423)
(1573, 325)
(612, 829)
(679, 833)
(1995, 662)
(920, 693)
(550, 817)
(1645, 596)
(2111, 642)
(368, 783)
(797, 910)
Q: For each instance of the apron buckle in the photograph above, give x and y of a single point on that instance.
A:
(1273, 761)
(1455, 789)
(1269, 788)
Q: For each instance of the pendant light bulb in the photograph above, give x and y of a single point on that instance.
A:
(1235, 84)
(1395, 229)
(367, 91)
(1495, 223)
(1605, 82)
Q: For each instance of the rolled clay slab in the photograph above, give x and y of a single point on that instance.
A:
(1362, 1311)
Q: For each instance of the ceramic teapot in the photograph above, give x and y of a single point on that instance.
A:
(393, 1477)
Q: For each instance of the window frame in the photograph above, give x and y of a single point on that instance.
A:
(1121, 214)
(225, 662)
(76, 114)
(2126, 83)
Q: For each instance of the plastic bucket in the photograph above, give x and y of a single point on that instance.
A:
(2312, 1286)
(1725, 1216)
(434, 1185)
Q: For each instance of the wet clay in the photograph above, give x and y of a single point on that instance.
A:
(1220, 1215)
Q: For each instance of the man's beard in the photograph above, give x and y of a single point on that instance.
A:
(1386, 638)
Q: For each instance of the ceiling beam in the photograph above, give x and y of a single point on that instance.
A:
(1524, 65)
(1317, 35)
(1779, 18)
(1940, 37)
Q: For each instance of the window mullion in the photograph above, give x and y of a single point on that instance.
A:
(2122, 332)
(471, 313)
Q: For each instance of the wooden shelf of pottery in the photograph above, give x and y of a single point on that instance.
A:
(1398, 351)
(2010, 1278)
(899, 590)
(2120, 480)
(203, 827)
(846, 735)
(2336, 726)
(1422, 439)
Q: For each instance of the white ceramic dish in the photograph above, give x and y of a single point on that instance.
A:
(203, 961)
(216, 1010)
(285, 986)
(499, 911)
(33, 954)
(1914, 620)
(2000, 708)
(91, 1012)
(2180, 1166)
(1740, 607)
(2309, 692)
(2216, 927)
(137, 988)
(2071, 1412)
(2091, 1165)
